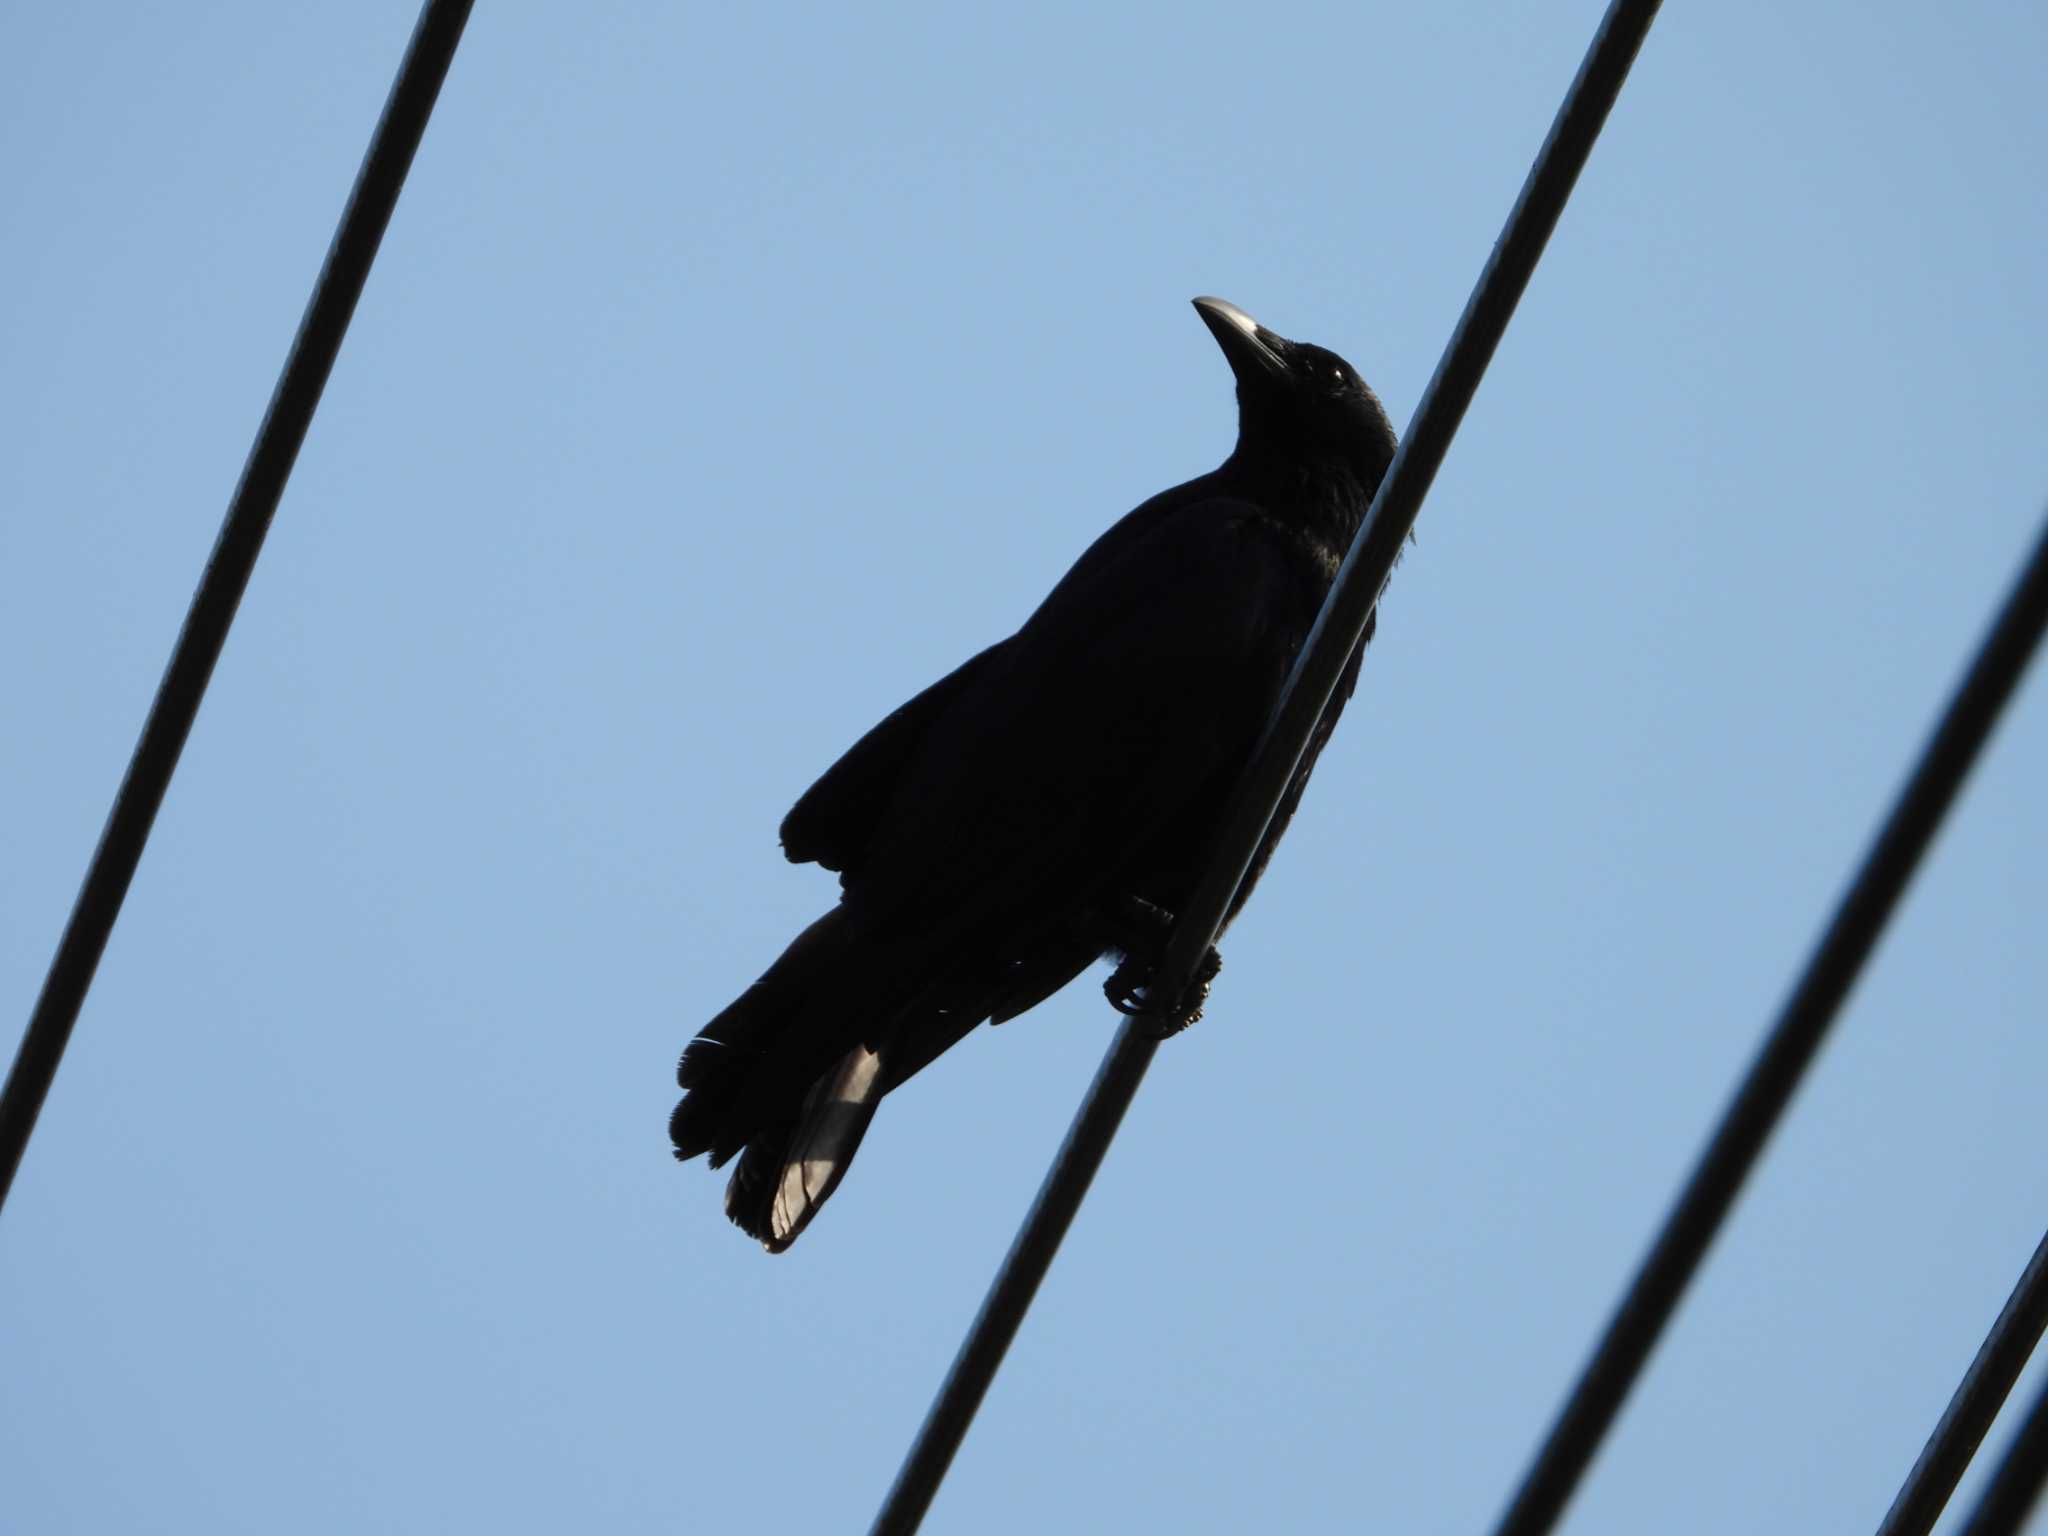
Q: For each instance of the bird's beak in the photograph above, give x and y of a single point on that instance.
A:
(1251, 349)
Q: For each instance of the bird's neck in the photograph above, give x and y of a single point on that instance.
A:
(1324, 499)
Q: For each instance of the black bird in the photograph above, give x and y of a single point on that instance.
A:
(1052, 801)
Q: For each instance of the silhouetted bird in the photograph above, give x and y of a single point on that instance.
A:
(1051, 802)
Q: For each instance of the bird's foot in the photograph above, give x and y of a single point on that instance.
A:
(1130, 982)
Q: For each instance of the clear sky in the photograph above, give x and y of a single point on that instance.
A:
(730, 372)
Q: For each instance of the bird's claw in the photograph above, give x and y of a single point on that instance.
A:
(1128, 984)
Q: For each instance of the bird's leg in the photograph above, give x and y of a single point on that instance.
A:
(1141, 930)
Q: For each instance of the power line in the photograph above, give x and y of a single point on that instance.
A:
(1794, 1040)
(1982, 1392)
(2015, 1487)
(226, 577)
(1330, 644)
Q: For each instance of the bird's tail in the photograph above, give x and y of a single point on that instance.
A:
(784, 1079)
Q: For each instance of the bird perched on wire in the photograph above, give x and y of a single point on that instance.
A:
(1051, 802)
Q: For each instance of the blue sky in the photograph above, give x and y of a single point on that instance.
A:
(728, 375)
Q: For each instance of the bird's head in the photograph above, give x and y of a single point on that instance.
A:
(1299, 403)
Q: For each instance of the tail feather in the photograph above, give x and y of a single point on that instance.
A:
(772, 1081)
(786, 1174)
(787, 1079)
(730, 1073)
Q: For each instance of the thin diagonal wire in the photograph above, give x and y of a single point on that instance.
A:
(1982, 1392)
(227, 572)
(2015, 1487)
(1335, 636)
(1794, 1040)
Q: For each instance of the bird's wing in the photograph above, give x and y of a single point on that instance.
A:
(834, 821)
(1119, 716)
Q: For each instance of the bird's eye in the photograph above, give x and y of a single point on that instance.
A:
(1336, 375)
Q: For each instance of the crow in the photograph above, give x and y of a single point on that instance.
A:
(1054, 800)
